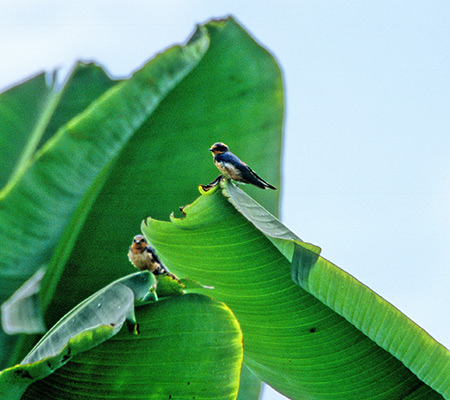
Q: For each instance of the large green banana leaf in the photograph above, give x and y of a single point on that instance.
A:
(24, 114)
(310, 330)
(186, 346)
(105, 154)
(93, 321)
(32, 112)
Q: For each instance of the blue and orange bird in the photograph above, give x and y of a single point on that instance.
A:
(144, 257)
(233, 168)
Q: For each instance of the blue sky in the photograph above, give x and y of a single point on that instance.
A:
(366, 153)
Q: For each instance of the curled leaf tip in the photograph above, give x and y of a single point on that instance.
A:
(210, 188)
(182, 210)
(133, 328)
(21, 313)
(173, 218)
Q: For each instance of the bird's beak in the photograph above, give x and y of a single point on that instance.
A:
(211, 149)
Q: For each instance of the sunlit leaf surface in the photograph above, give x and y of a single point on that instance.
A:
(296, 339)
(189, 347)
(90, 323)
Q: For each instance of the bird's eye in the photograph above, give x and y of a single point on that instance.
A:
(138, 239)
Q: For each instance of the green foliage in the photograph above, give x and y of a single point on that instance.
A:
(298, 342)
(14, 381)
(174, 356)
(87, 162)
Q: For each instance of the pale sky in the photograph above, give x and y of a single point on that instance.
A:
(366, 159)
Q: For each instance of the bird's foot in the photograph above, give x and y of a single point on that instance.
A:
(213, 184)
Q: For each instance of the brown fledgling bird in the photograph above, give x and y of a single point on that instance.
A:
(233, 168)
(144, 257)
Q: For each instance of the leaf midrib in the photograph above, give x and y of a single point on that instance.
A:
(29, 150)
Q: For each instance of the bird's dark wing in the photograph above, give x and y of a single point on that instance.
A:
(256, 180)
(244, 171)
(161, 269)
(152, 251)
(249, 176)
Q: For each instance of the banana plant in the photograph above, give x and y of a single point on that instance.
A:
(86, 161)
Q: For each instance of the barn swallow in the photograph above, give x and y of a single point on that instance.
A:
(233, 168)
(144, 257)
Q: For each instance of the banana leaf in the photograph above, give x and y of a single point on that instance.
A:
(310, 329)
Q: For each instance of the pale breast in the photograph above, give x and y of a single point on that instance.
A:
(142, 261)
(229, 170)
